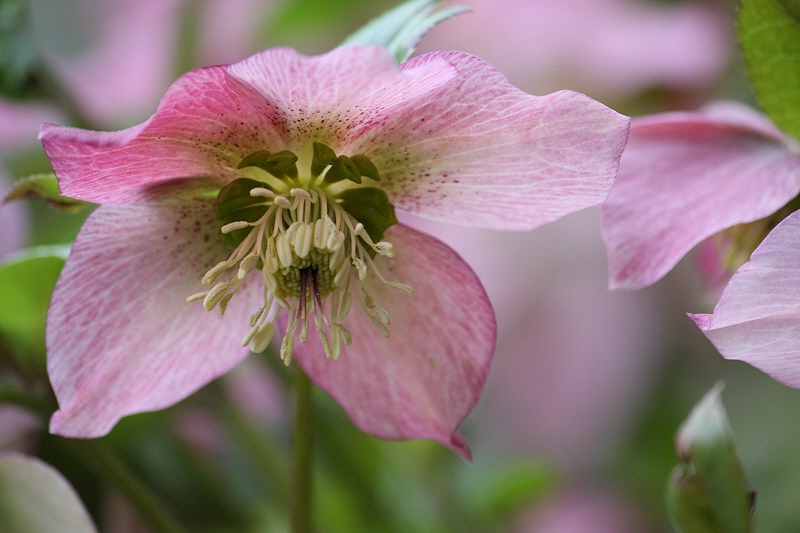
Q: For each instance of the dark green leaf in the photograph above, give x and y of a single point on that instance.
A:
(769, 32)
(343, 169)
(371, 207)
(279, 164)
(366, 167)
(234, 203)
(323, 157)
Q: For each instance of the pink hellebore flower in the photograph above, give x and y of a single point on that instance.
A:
(292, 166)
(685, 177)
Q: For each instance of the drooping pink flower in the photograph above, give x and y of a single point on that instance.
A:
(300, 162)
(685, 177)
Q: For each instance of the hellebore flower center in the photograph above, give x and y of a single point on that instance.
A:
(305, 233)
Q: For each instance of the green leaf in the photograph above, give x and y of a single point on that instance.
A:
(27, 280)
(708, 493)
(400, 29)
(234, 203)
(371, 207)
(35, 498)
(45, 187)
(769, 33)
(511, 487)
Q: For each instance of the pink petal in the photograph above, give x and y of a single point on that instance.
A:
(684, 177)
(423, 380)
(204, 126)
(480, 152)
(757, 318)
(121, 338)
(334, 97)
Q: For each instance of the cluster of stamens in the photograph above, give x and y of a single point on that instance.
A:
(306, 247)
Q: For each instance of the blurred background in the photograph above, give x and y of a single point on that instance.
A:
(574, 431)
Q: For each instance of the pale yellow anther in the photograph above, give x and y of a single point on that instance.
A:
(303, 240)
(345, 333)
(215, 295)
(223, 303)
(344, 306)
(282, 201)
(284, 250)
(320, 234)
(247, 265)
(262, 337)
(233, 226)
(212, 275)
(300, 193)
(361, 267)
(383, 314)
(401, 287)
(255, 317)
(261, 192)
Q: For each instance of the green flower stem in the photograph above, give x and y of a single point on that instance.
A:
(102, 460)
(302, 448)
(271, 464)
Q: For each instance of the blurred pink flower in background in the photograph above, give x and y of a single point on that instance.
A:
(582, 509)
(116, 57)
(686, 177)
(610, 49)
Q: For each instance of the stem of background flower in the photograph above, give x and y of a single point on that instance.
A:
(302, 448)
(97, 456)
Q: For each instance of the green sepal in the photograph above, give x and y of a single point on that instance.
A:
(234, 203)
(371, 207)
(769, 33)
(45, 187)
(400, 29)
(708, 492)
(280, 164)
(366, 167)
(323, 157)
(343, 169)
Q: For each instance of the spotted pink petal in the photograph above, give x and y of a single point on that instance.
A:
(686, 176)
(121, 338)
(343, 93)
(757, 318)
(423, 380)
(480, 152)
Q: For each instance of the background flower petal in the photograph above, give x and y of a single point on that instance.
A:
(685, 176)
(480, 152)
(121, 338)
(424, 380)
(757, 318)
